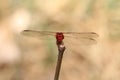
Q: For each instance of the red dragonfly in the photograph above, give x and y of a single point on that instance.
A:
(82, 36)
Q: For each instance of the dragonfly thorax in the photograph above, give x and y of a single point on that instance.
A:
(59, 37)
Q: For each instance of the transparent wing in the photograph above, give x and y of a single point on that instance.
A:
(77, 37)
(34, 33)
(82, 38)
(68, 34)
(81, 34)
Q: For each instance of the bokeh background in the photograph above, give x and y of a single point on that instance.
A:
(34, 58)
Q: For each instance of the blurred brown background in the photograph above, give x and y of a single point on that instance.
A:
(30, 58)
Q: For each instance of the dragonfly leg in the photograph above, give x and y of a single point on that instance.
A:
(61, 46)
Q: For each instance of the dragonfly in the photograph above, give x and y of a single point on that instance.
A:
(89, 37)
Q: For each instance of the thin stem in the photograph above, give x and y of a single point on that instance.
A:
(59, 61)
